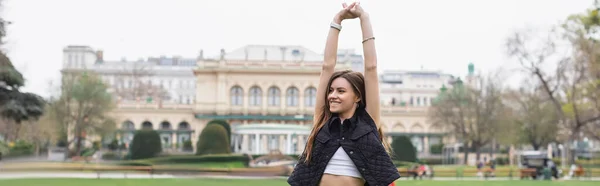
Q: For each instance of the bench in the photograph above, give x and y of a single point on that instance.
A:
(526, 173)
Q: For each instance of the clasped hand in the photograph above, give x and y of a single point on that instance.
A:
(351, 11)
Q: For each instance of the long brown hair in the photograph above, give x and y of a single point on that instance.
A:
(357, 80)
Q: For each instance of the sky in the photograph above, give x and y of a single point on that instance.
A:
(444, 35)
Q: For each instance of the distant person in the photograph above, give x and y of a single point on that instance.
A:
(346, 145)
(479, 167)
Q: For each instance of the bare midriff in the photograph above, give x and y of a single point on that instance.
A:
(337, 180)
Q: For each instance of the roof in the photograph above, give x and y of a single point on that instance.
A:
(273, 53)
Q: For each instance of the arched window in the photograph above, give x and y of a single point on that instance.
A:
(274, 96)
(237, 95)
(292, 96)
(310, 96)
(128, 125)
(147, 125)
(165, 125)
(255, 96)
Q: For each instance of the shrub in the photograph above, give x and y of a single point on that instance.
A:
(21, 148)
(436, 149)
(431, 161)
(403, 149)
(110, 156)
(222, 123)
(213, 140)
(187, 159)
(113, 145)
(187, 145)
(145, 144)
(96, 145)
(502, 161)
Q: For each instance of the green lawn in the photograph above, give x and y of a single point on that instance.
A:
(279, 182)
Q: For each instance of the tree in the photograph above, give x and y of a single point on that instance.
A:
(568, 86)
(83, 107)
(404, 149)
(473, 111)
(15, 106)
(213, 140)
(145, 144)
(41, 132)
(533, 116)
(134, 83)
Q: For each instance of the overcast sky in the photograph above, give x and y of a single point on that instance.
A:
(434, 34)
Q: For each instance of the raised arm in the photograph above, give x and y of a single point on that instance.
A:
(370, 56)
(330, 59)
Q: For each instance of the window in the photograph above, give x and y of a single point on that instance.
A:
(310, 96)
(419, 101)
(292, 96)
(274, 96)
(255, 96)
(237, 94)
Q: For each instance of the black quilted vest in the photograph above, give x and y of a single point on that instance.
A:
(358, 136)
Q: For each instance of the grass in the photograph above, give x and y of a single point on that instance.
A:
(272, 182)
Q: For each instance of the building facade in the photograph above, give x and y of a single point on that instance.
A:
(267, 94)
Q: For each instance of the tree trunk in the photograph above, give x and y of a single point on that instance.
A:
(78, 142)
(37, 149)
(466, 149)
(493, 151)
(477, 149)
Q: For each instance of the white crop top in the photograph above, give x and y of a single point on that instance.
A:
(341, 164)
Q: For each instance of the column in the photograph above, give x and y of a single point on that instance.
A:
(174, 140)
(288, 149)
(301, 143)
(245, 144)
(265, 144)
(257, 143)
(281, 144)
(426, 144)
(236, 143)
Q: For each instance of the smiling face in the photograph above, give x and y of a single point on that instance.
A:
(342, 98)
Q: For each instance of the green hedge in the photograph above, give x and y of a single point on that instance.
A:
(145, 144)
(436, 149)
(593, 162)
(431, 161)
(213, 140)
(403, 149)
(188, 159)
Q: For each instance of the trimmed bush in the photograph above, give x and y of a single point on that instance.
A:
(187, 159)
(21, 148)
(213, 140)
(110, 156)
(222, 123)
(113, 145)
(502, 161)
(403, 149)
(187, 145)
(145, 144)
(431, 161)
(436, 149)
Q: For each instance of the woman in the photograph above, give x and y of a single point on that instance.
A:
(346, 145)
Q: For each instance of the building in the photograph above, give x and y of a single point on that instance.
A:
(143, 88)
(267, 94)
(172, 75)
